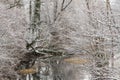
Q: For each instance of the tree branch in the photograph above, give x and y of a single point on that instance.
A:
(16, 3)
(63, 8)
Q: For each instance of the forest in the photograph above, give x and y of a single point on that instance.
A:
(59, 39)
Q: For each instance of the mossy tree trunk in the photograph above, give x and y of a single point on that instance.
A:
(34, 18)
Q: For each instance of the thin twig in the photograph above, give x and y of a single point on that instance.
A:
(63, 8)
(62, 4)
(16, 3)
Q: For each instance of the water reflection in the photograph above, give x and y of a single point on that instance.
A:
(77, 67)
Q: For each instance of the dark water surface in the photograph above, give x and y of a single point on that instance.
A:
(75, 67)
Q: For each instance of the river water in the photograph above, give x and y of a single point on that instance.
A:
(75, 67)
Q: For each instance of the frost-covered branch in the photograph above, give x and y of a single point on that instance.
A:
(17, 3)
(63, 8)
